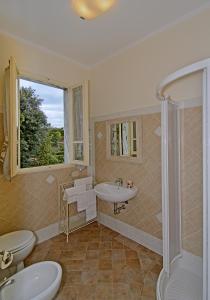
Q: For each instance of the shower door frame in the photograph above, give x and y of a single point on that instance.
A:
(203, 66)
(166, 183)
(206, 182)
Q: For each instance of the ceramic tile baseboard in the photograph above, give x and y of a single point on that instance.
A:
(132, 233)
(52, 230)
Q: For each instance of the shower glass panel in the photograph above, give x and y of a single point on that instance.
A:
(171, 182)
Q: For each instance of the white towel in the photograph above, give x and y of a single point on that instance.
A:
(71, 194)
(86, 181)
(91, 214)
(87, 201)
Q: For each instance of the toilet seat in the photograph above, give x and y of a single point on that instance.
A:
(16, 240)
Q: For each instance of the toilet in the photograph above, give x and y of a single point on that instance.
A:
(20, 244)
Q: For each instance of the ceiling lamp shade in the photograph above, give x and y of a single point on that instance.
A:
(90, 9)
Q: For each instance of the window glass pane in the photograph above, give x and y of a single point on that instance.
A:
(134, 130)
(125, 138)
(115, 144)
(78, 151)
(78, 113)
(41, 124)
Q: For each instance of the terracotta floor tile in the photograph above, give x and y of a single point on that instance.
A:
(133, 263)
(104, 291)
(90, 264)
(105, 245)
(117, 245)
(87, 292)
(105, 253)
(92, 254)
(68, 293)
(73, 277)
(93, 245)
(105, 276)
(73, 265)
(89, 277)
(121, 291)
(131, 254)
(118, 255)
(105, 264)
(100, 264)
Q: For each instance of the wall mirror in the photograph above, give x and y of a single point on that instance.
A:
(124, 139)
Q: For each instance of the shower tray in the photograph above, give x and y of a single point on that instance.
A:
(183, 284)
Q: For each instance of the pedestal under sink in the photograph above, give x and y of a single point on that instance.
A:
(111, 192)
(39, 281)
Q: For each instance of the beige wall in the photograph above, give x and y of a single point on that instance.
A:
(191, 179)
(29, 201)
(122, 83)
(141, 212)
(39, 63)
(129, 80)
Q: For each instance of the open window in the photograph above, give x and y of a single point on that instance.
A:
(47, 124)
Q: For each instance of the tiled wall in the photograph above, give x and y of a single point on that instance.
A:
(29, 201)
(141, 212)
(191, 179)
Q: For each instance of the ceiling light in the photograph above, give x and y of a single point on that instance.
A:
(90, 9)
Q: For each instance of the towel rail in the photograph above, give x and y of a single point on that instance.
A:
(64, 211)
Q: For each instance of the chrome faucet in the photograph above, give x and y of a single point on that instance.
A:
(119, 182)
(5, 282)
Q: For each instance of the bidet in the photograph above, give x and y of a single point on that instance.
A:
(39, 281)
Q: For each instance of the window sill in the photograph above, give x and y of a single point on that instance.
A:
(43, 169)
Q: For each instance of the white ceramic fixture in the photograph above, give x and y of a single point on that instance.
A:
(20, 244)
(111, 192)
(40, 281)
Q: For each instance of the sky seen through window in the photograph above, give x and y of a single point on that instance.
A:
(52, 104)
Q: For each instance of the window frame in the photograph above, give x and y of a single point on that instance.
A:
(85, 139)
(66, 88)
(139, 140)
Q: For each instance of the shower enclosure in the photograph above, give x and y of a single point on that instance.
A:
(182, 279)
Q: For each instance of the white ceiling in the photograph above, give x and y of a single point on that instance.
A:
(52, 24)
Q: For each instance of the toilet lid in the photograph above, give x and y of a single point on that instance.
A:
(15, 240)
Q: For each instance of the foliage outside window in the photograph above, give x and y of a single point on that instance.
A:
(41, 138)
(36, 137)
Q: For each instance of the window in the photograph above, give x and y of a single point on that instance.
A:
(41, 114)
(124, 140)
(45, 124)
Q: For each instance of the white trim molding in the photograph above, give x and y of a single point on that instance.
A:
(184, 103)
(132, 233)
(47, 233)
(52, 230)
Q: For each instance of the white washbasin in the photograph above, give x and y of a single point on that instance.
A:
(109, 191)
(39, 281)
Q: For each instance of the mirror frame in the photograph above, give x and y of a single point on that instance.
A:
(139, 138)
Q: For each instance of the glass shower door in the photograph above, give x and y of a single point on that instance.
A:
(170, 183)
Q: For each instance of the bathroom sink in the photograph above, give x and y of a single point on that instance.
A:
(39, 281)
(111, 192)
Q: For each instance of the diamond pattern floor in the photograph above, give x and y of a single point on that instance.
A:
(98, 263)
